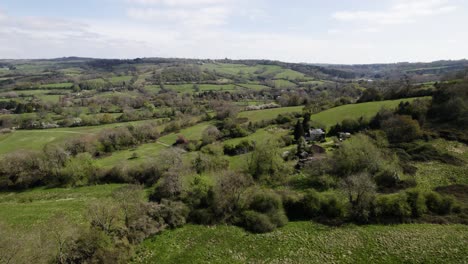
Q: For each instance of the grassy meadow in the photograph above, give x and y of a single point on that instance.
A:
(34, 207)
(308, 242)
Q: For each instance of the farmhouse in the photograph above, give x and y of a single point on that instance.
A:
(344, 135)
(316, 134)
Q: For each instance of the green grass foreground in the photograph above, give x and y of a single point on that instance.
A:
(308, 242)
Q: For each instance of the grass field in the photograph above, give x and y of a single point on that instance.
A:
(328, 117)
(232, 69)
(433, 174)
(252, 86)
(29, 208)
(57, 85)
(259, 135)
(37, 139)
(236, 69)
(283, 84)
(189, 88)
(354, 111)
(269, 114)
(151, 150)
(119, 80)
(289, 74)
(307, 242)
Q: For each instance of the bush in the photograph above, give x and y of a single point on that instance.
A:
(439, 204)
(392, 207)
(387, 179)
(202, 216)
(293, 206)
(332, 207)
(322, 182)
(243, 147)
(417, 202)
(266, 207)
(79, 171)
(311, 204)
(257, 222)
(401, 128)
(265, 202)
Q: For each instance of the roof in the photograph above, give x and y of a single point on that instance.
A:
(317, 131)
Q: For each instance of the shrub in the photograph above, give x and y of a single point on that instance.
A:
(393, 206)
(79, 171)
(401, 128)
(266, 162)
(360, 154)
(87, 248)
(265, 202)
(174, 213)
(387, 179)
(332, 207)
(168, 187)
(268, 209)
(209, 163)
(20, 170)
(293, 206)
(202, 216)
(360, 189)
(199, 193)
(257, 222)
(417, 202)
(311, 203)
(243, 147)
(439, 204)
(322, 182)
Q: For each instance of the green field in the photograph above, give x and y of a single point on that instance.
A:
(283, 84)
(307, 242)
(328, 117)
(57, 85)
(191, 133)
(259, 135)
(354, 111)
(37, 139)
(151, 150)
(433, 174)
(119, 80)
(232, 69)
(289, 74)
(189, 88)
(269, 114)
(29, 208)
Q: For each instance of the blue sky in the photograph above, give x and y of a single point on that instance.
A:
(333, 31)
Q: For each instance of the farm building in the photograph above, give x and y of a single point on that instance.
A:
(316, 134)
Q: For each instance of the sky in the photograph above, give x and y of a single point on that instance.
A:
(313, 31)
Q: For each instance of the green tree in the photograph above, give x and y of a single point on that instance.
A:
(79, 171)
(360, 189)
(298, 130)
(265, 162)
(401, 128)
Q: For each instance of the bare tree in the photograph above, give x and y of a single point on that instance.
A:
(228, 192)
(360, 189)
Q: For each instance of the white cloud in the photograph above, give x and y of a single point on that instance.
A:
(178, 3)
(207, 16)
(401, 12)
(173, 13)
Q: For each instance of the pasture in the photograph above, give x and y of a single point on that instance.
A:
(308, 242)
(38, 138)
(33, 207)
(328, 117)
